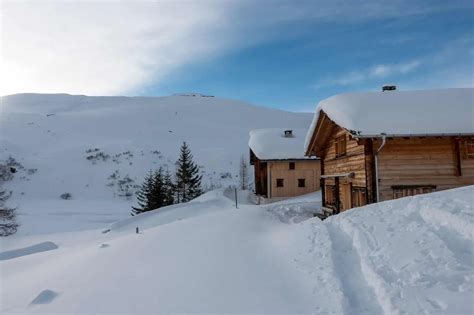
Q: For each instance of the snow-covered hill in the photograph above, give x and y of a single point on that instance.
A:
(409, 256)
(98, 148)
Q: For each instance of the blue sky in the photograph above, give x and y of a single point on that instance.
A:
(295, 71)
(283, 54)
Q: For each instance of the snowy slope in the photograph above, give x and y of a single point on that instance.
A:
(408, 256)
(99, 148)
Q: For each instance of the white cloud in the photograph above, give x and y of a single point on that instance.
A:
(118, 47)
(102, 47)
(379, 71)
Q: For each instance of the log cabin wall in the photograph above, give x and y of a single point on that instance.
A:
(260, 171)
(354, 160)
(425, 164)
(290, 179)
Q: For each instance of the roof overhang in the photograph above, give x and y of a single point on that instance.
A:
(357, 136)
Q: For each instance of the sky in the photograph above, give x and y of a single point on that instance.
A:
(281, 54)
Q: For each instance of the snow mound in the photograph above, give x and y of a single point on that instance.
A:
(207, 203)
(415, 253)
(296, 210)
(29, 250)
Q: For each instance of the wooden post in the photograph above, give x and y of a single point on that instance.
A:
(336, 183)
(235, 190)
(137, 230)
(323, 192)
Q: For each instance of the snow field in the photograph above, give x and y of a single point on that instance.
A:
(409, 256)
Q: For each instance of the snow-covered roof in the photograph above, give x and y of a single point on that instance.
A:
(401, 113)
(271, 144)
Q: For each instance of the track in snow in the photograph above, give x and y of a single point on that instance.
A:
(359, 297)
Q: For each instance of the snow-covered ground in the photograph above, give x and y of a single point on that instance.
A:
(99, 148)
(412, 255)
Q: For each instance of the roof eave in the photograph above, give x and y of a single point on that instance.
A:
(291, 159)
(362, 136)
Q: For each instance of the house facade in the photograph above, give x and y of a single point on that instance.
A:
(382, 146)
(280, 168)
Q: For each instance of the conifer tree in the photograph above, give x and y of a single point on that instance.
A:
(158, 190)
(244, 173)
(169, 189)
(144, 195)
(188, 180)
(8, 225)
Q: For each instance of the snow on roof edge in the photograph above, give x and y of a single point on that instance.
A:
(271, 144)
(402, 107)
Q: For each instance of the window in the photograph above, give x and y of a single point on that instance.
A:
(301, 182)
(292, 165)
(330, 195)
(358, 197)
(340, 145)
(279, 182)
(404, 191)
(468, 149)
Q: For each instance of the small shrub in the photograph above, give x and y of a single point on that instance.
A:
(66, 196)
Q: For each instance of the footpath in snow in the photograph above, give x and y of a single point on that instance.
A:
(412, 255)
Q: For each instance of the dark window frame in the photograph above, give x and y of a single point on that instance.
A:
(468, 148)
(301, 182)
(400, 191)
(340, 145)
(291, 165)
(280, 182)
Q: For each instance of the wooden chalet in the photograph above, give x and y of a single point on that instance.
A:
(391, 144)
(280, 167)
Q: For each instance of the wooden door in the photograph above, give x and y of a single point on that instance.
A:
(345, 196)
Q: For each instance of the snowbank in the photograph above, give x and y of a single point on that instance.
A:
(413, 258)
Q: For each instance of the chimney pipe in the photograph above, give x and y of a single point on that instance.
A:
(288, 133)
(388, 87)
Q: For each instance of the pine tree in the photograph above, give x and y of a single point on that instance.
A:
(158, 190)
(8, 225)
(144, 195)
(169, 189)
(244, 173)
(188, 180)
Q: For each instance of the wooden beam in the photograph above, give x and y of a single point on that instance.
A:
(323, 184)
(323, 192)
(457, 157)
(338, 206)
